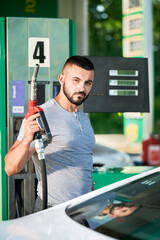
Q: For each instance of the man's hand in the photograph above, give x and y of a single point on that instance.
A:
(31, 127)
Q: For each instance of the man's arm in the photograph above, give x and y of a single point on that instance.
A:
(20, 153)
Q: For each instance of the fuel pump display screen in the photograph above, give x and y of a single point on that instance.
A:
(114, 92)
(120, 85)
(123, 73)
(123, 82)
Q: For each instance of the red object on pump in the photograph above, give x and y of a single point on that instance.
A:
(32, 108)
(151, 150)
(32, 105)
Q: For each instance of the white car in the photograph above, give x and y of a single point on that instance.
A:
(103, 155)
(128, 209)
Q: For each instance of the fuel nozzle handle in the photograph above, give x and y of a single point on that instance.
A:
(34, 83)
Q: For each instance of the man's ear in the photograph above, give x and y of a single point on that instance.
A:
(61, 78)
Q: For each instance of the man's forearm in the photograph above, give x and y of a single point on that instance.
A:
(17, 157)
(21, 152)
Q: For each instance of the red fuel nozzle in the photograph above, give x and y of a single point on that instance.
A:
(32, 105)
(32, 108)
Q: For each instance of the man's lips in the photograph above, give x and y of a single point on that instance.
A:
(80, 94)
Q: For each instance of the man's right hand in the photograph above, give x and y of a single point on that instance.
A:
(31, 127)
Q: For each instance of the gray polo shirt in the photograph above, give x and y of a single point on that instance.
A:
(68, 155)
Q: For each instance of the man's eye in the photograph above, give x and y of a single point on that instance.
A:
(124, 211)
(88, 83)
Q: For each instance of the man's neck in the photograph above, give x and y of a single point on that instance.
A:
(64, 103)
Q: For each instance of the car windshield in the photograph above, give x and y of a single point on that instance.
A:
(129, 212)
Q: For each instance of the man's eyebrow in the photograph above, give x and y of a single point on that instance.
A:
(89, 80)
(77, 78)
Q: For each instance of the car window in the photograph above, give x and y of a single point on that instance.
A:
(129, 212)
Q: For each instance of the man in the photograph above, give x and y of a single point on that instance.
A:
(101, 209)
(69, 154)
(120, 209)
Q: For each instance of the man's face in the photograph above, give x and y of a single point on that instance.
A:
(123, 209)
(77, 83)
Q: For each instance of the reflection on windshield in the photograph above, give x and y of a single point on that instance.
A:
(128, 212)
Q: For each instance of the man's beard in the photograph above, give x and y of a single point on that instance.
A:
(70, 98)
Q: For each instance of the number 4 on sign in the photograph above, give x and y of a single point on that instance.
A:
(38, 51)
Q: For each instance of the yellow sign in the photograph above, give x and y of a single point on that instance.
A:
(132, 6)
(133, 24)
(131, 132)
(133, 46)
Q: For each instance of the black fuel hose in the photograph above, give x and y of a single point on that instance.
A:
(41, 162)
(44, 183)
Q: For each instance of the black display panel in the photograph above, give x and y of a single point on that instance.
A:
(41, 91)
(120, 85)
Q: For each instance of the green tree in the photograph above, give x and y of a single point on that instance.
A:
(105, 39)
(156, 48)
(105, 24)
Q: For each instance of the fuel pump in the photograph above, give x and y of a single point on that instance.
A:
(45, 132)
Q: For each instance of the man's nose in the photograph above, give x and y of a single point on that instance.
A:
(82, 87)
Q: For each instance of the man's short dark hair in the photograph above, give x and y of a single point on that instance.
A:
(80, 61)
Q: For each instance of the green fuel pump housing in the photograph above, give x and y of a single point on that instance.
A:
(3, 177)
(29, 41)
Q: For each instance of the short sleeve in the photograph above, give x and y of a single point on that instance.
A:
(21, 131)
